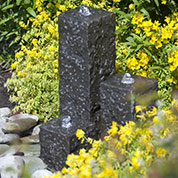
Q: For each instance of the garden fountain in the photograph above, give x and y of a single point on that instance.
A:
(91, 95)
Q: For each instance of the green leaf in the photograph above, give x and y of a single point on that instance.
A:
(8, 7)
(128, 54)
(8, 2)
(145, 12)
(4, 33)
(26, 1)
(157, 3)
(136, 36)
(148, 52)
(12, 33)
(31, 11)
(130, 39)
(18, 2)
(138, 47)
(4, 20)
(34, 4)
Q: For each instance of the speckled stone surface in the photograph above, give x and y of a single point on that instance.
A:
(57, 142)
(117, 98)
(86, 57)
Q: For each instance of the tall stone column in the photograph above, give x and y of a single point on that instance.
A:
(86, 57)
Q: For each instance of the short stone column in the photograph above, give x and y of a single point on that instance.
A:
(58, 139)
(117, 97)
(86, 57)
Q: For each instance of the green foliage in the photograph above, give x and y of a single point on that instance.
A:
(146, 53)
(35, 79)
(137, 51)
(11, 13)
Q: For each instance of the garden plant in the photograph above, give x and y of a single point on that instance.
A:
(146, 45)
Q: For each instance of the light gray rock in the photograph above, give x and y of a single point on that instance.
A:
(30, 139)
(36, 130)
(33, 164)
(9, 138)
(5, 112)
(11, 151)
(3, 121)
(41, 173)
(3, 148)
(19, 125)
(23, 116)
(30, 149)
(11, 166)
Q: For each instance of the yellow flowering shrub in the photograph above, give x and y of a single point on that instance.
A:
(150, 50)
(35, 70)
(127, 151)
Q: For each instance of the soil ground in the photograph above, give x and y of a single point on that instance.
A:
(4, 95)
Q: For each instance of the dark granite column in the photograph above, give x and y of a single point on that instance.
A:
(86, 57)
(118, 98)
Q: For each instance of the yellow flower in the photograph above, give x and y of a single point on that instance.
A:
(19, 74)
(115, 1)
(51, 48)
(31, 19)
(139, 108)
(131, 6)
(158, 45)
(87, 2)
(144, 73)
(132, 63)
(137, 18)
(152, 113)
(71, 159)
(62, 8)
(123, 139)
(22, 24)
(163, 2)
(135, 162)
(80, 134)
(125, 51)
(13, 66)
(34, 41)
(19, 54)
(55, 70)
(108, 171)
(137, 30)
(155, 120)
(131, 169)
(113, 130)
(156, 25)
(51, 29)
(160, 152)
(154, 39)
(165, 132)
(58, 13)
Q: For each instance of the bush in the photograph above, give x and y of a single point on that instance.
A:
(11, 13)
(144, 46)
